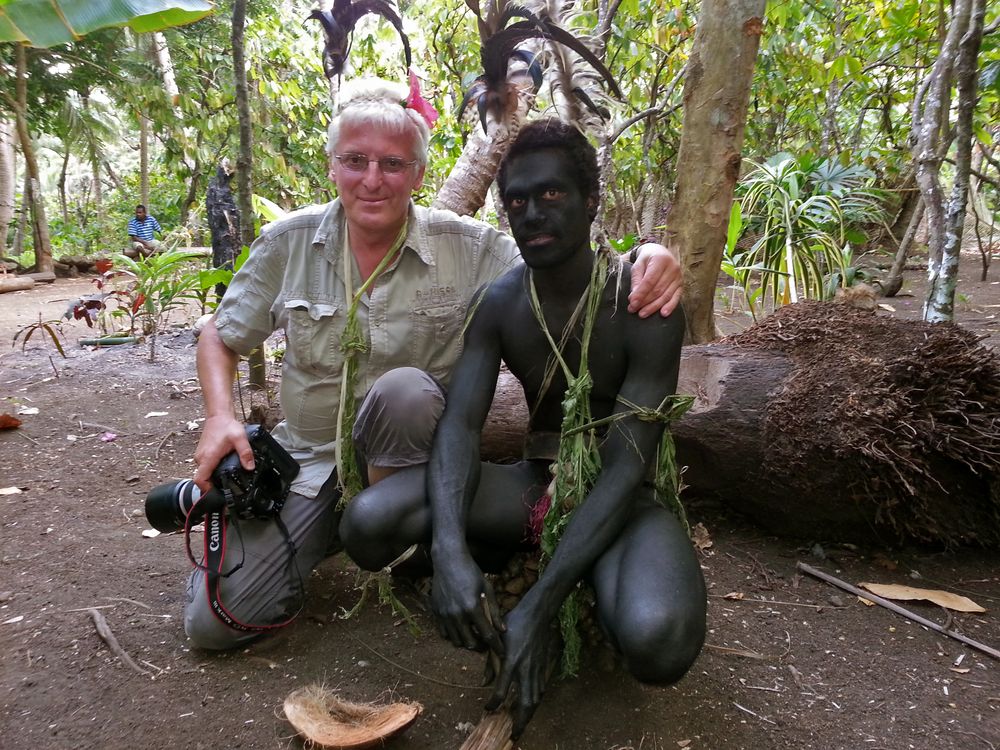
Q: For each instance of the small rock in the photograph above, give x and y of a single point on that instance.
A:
(6, 596)
(836, 601)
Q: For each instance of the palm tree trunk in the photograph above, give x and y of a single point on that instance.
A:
(97, 187)
(465, 189)
(143, 160)
(17, 247)
(43, 247)
(244, 164)
(63, 207)
(7, 171)
(161, 53)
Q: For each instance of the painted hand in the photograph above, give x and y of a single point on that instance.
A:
(464, 606)
(529, 641)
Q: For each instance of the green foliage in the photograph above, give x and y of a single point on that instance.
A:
(85, 234)
(798, 212)
(734, 267)
(158, 284)
(58, 22)
(210, 278)
(53, 328)
(833, 77)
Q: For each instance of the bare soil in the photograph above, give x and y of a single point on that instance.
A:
(790, 662)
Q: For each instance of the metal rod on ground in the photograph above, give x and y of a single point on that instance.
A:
(897, 609)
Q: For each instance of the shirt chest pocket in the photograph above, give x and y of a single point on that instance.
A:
(436, 339)
(313, 333)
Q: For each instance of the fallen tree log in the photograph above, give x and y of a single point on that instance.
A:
(828, 422)
(46, 277)
(15, 283)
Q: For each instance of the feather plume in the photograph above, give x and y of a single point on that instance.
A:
(338, 25)
(574, 79)
(493, 89)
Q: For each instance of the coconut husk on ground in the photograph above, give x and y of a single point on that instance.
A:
(327, 721)
(830, 421)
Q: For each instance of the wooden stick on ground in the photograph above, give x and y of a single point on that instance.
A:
(492, 733)
(897, 609)
(109, 638)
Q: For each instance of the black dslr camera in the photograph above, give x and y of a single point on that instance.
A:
(244, 494)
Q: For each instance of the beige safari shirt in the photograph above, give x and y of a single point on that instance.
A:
(412, 316)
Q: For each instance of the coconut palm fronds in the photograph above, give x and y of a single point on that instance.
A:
(338, 24)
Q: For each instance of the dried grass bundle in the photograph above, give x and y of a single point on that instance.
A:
(325, 720)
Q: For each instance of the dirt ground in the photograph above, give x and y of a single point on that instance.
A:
(790, 662)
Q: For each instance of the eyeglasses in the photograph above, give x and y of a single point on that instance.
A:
(360, 162)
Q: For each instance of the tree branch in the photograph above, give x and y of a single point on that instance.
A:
(978, 175)
(658, 111)
(988, 155)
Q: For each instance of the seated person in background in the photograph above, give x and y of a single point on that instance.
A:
(560, 323)
(140, 231)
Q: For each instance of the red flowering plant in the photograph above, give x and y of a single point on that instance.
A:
(139, 293)
(113, 300)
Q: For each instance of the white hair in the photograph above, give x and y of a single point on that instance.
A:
(377, 103)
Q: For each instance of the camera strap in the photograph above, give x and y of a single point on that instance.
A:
(215, 553)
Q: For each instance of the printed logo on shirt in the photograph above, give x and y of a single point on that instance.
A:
(436, 294)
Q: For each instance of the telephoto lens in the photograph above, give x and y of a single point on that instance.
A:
(168, 505)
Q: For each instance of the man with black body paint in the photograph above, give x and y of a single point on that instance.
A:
(649, 590)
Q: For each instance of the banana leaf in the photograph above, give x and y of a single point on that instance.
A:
(45, 23)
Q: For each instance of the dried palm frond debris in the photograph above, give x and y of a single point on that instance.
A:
(906, 413)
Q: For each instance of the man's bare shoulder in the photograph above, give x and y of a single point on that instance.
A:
(654, 336)
(506, 288)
